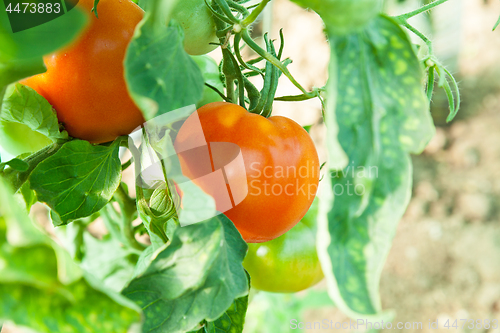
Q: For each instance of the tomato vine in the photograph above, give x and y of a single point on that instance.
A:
(166, 243)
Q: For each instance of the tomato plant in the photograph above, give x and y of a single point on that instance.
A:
(84, 82)
(281, 166)
(288, 263)
(207, 183)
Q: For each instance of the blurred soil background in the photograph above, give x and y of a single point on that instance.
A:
(445, 259)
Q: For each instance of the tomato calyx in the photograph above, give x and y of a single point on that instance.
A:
(235, 19)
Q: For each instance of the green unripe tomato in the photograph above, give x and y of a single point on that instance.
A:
(211, 75)
(17, 139)
(288, 263)
(343, 16)
(199, 26)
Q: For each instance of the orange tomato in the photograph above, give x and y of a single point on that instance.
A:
(275, 183)
(85, 81)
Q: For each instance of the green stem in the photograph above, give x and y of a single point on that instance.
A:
(270, 58)
(240, 80)
(217, 91)
(275, 74)
(453, 111)
(223, 5)
(254, 14)
(2, 94)
(229, 72)
(128, 210)
(230, 90)
(237, 39)
(126, 164)
(123, 197)
(241, 9)
(302, 97)
(221, 18)
(419, 34)
(422, 9)
(496, 24)
(430, 83)
(79, 242)
(18, 178)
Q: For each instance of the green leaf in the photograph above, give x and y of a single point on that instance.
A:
(232, 321)
(145, 259)
(108, 261)
(28, 196)
(42, 288)
(382, 115)
(24, 105)
(160, 75)
(79, 179)
(21, 52)
(195, 277)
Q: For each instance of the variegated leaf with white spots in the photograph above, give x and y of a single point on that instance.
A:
(382, 116)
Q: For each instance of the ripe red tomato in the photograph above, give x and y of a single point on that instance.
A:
(279, 167)
(85, 82)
